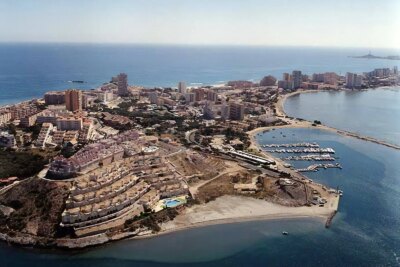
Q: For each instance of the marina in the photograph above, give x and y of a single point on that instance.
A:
(310, 152)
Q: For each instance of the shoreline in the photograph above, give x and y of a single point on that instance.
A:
(293, 123)
(223, 210)
(229, 221)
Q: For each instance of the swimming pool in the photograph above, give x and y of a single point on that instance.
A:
(171, 203)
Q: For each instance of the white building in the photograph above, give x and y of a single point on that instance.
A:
(5, 116)
(7, 140)
(44, 134)
(69, 124)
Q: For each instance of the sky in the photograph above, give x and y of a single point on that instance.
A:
(331, 23)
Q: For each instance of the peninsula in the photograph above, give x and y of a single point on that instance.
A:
(125, 161)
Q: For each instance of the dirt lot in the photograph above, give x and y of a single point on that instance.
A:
(270, 189)
(223, 185)
(193, 163)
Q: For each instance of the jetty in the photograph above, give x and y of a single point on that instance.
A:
(315, 167)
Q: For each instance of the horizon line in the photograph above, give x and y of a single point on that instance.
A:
(195, 44)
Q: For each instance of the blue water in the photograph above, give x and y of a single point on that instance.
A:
(29, 70)
(374, 113)
(172, 203)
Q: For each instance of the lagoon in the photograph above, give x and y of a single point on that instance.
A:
(374, 112)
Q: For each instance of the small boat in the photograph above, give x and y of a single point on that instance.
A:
(76, 81)
(285, 233)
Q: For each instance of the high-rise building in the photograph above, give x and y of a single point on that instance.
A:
(73, 100)
(182, 87)
(54, 98)
(212, 95)
(190, 98)
(199, 94)
(296, 79)
(353, 80)
(208, 111)
(224, 110)
(286, 77)
(236, 111)
(318, 77)
(122, 84)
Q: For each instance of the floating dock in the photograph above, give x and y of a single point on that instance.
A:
(323, 157)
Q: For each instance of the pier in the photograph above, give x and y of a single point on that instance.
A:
(330, 218)
(315, 167)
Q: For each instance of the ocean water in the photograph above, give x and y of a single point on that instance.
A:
(29, 70)
(375, 112)
(365, 232)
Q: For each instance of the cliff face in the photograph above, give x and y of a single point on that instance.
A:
(36, 207)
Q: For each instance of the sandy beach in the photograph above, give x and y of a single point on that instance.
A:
(233, 209)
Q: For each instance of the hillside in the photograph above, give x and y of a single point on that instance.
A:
(34, 206)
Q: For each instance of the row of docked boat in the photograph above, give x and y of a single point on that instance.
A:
(315, 145)
(322, 157)
(305, 150)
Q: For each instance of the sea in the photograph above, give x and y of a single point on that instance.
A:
(29, 70)
(366, 229)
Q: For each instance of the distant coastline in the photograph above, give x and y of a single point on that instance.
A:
(60, 63)
(370, 56)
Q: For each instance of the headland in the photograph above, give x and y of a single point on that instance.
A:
(126, 161)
